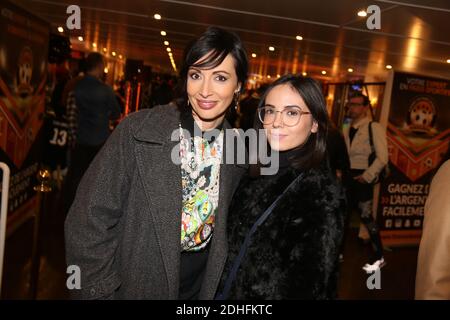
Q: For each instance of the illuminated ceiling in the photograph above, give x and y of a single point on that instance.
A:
(414, 34)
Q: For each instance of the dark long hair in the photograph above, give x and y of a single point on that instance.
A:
(312, 153)
(218, 43)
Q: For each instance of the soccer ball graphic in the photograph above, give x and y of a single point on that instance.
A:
(25, 72)
(422, 114)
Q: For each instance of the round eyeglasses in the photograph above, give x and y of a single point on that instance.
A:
(290, 116)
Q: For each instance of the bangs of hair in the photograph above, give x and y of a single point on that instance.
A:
(211, 60)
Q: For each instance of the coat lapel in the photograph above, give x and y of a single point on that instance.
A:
(161, 180)
(219, 246)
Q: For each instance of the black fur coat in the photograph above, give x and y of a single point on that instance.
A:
(294, 253)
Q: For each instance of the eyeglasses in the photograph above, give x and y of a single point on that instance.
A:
(290, 116)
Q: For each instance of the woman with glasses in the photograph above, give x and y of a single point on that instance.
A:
(292, 251)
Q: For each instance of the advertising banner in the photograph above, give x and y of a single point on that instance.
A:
(23, 69)
(418, 134)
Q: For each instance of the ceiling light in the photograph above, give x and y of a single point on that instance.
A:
(304, 74)
(113, 53)
(324, 72)
(271, 49)
(362, 13)
(94, 45)
(80, 38)
(157, 16)
(61, 29)
(388, 66)
(104, 49)
(169, 50)
(253, 55)
(120, 56)
(166, 43)
(105, 70)
(163, 33)
(299, 37)
(350, 70)
(278, 76)
(268, 76)
(448, 60)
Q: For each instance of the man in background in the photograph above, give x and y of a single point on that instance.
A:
(367, 149)
(96, 105)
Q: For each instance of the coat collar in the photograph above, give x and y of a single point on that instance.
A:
(160, 124)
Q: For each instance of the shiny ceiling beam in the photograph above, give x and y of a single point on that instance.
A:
(277, 35)
(62, 4)
(359, 18)
(404, 4)
(257, 14)
(265, 34)
(121, 24)
(330, 25)
(252, 13)
(244, 30)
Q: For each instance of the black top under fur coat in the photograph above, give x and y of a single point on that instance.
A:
(294, 253)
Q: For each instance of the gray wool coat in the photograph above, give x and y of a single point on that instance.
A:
(124, 228)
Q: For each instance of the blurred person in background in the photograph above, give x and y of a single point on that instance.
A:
(367, 149)
(95, 105)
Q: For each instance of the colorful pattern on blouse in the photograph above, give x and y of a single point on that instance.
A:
(200, 173)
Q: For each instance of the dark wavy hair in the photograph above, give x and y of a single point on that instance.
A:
(312, 153)
(218, 43)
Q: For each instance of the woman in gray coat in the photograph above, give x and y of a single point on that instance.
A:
(148, 220)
